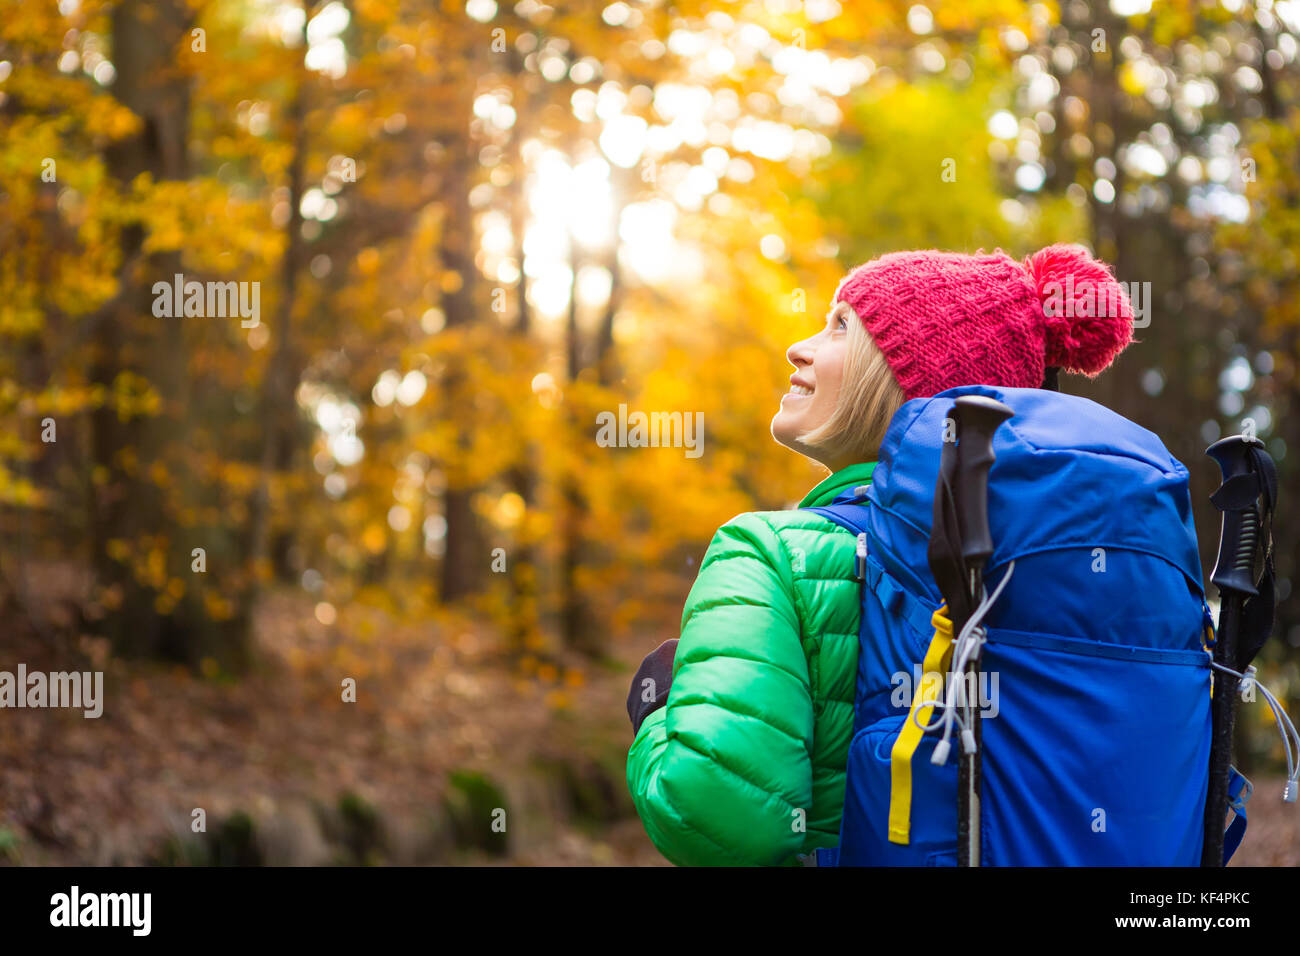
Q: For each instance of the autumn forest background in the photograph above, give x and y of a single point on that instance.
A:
(473, 227)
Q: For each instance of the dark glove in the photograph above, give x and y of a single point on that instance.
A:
(650, 685)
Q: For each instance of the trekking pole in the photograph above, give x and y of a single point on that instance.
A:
(960, 544)
(1248, 475)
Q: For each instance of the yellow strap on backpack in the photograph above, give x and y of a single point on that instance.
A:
(936, 661)
(1208, 647)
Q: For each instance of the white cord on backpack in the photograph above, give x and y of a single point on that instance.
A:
(965, 648)
(1284, 725)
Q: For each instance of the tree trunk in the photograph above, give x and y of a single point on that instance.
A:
(279, 412)
(464, 560)
(125, 506)
(522, 478)
(574, 614)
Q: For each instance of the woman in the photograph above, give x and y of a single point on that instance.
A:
(742, 725)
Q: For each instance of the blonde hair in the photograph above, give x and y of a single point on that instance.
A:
(869, 397)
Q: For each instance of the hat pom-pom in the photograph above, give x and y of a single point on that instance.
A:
(1088, 317)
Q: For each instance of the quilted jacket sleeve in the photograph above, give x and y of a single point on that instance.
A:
(719, 773)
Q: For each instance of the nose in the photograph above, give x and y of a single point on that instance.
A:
(801, 353)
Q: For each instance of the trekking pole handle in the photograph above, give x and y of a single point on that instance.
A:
(1234, 569)
(977, 417)
(1234, 573)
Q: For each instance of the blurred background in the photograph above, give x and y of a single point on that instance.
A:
(464, 230)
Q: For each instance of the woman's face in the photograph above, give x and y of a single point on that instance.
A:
(815, 385)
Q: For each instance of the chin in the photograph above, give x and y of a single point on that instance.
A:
(783, 432)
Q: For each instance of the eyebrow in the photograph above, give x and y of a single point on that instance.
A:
(840, 306)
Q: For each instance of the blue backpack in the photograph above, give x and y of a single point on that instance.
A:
(1095, 685)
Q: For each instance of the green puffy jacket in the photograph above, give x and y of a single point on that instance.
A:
(744, 765)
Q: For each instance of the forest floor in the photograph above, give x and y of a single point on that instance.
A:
(443, 732)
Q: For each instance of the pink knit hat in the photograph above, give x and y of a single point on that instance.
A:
(944, 319)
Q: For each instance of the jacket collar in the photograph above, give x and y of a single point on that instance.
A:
(843, 479)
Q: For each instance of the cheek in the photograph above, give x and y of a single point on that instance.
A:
(829, 366)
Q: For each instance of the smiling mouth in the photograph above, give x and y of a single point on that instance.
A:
(799, 391)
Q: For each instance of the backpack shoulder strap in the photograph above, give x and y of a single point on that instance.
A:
(849, 511)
